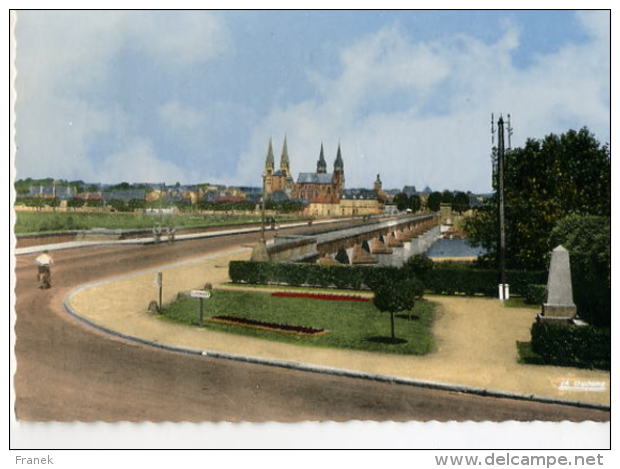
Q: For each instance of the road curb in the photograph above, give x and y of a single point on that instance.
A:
(308, 367)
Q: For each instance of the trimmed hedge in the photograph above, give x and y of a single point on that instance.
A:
(451, 280)
(354, 277)
(569, 345)
(438, 280)
(467, 281)
(535, 294)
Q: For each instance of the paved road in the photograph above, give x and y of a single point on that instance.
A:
(67, 371)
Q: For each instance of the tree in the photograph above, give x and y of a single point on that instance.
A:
(415, 203)
(402, 201)
(434, 199)
(543, 182)
(588, 240)
(394, 297)
(118, 205)
(461, 202)
(135, 204)
(76, 203)
(447, 197)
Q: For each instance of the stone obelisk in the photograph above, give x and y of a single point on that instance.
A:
(559, 305)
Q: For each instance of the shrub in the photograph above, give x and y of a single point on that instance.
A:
(569, 345)
(419, 265)
(76, 203)
(467, 281)
(438, 280)
(465, 277)
(118, 205)
(535, 294)
(520, 279)
(338, 276)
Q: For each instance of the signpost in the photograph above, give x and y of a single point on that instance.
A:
(202, 295)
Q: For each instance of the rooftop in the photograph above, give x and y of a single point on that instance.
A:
(314, 178)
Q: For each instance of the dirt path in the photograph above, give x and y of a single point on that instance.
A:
(475, 337)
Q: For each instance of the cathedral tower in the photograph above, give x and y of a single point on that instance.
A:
(268, 173)
(338, 176)
(321, 166)
(269, 161)
(378, 185)
(284, 162)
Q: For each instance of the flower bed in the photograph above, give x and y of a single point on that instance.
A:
(268, 326)
(320, 296)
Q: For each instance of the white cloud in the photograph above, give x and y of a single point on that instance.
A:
(64, 60)
(180, 38)
(180, 116)
(138, 163)
(468, 77)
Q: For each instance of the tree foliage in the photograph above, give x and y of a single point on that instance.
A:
(402, 201)
(398, 296)
(447, 197)
(394, 297)
(588, 240)
(543, 182)
(434, 199)
(419, 265)
(460, 201)
(415, 204)
(285, 206)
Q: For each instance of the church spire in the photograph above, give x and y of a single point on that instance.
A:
(269, 161)
(339, 164)
(284, 162)
(321, 166)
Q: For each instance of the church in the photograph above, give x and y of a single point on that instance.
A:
(323, 192)
(318, 187)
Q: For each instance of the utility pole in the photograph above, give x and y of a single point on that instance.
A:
(509, 129)
(503, 288)
(493, 154)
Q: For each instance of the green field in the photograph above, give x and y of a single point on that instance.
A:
(41, 222)
(353, 325)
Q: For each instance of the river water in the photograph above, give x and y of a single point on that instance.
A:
(453, 248)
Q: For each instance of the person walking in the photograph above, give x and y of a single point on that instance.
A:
(44, 275)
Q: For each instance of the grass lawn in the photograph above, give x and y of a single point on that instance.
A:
(40, 222)
(353, 325)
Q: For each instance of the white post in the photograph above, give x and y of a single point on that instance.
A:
(504, 291)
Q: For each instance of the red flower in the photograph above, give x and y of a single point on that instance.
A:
(320, 296)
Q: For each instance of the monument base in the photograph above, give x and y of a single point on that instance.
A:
(559, 311)
(554, 319)
(561, 320)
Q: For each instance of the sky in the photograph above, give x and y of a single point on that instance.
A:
(195, 96)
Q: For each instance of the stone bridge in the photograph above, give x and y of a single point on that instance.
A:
(385, 243)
